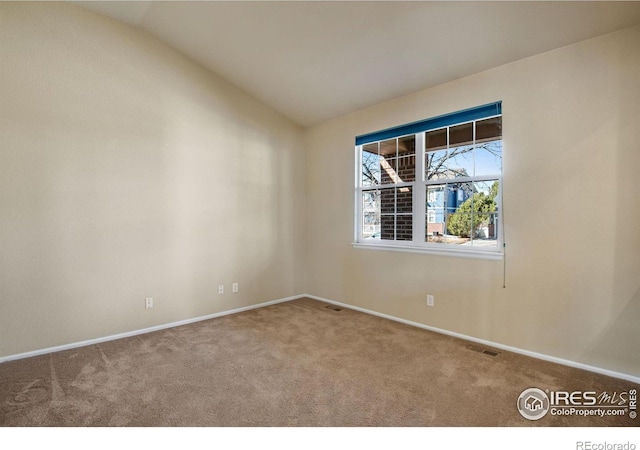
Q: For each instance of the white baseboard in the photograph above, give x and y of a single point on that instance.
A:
(73, 345)
(564, 362)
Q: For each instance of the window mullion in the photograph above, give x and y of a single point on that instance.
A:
(462, 179)
(419, 195)
(358, 223)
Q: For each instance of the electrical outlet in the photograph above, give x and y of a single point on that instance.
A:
(234, 287)
(221, 289)
(148, 303)
(430, 300)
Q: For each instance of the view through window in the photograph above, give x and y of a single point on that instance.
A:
(435, 188)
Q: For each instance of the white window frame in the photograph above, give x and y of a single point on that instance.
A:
(419, 243)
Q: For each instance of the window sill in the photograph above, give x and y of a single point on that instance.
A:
(462, 253)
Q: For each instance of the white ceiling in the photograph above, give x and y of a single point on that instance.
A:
(314, 60)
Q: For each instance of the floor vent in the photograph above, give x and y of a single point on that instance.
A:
(475, 348)
(333, 308)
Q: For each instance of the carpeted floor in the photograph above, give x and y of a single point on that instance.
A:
(291, 364)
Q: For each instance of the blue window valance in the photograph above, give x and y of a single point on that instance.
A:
(467, 115)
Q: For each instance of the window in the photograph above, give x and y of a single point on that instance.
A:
(433, 185)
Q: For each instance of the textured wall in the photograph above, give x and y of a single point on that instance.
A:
(127, 171)
(572, 213)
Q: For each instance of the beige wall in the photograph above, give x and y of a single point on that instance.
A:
(127, 171)
(572, 211)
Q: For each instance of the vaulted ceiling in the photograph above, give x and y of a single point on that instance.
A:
(317, 60)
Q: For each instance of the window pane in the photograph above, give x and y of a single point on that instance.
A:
(404, 200)
(460, 157)
(435, 165)
(458, 208)
(458, 213)
(371, 215)
(461, 135)
(485, 210)
(388, 148)
(406, 165)
(486, 230)
(471, 208)
(396, 208)
(488, 129)
(436, 139)
(435, 213)
(404, 227)
(387, 201)
(488, 158)
(388, 227)
(388, 162)
(460, 162)
(458, 228)
(487, 188)
(454, 163)
(370, 165)
(387, 214)
(456, 195)
(404, 211)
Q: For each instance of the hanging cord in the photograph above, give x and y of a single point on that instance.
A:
(504, 265)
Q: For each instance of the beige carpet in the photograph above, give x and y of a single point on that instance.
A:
(292, 364)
